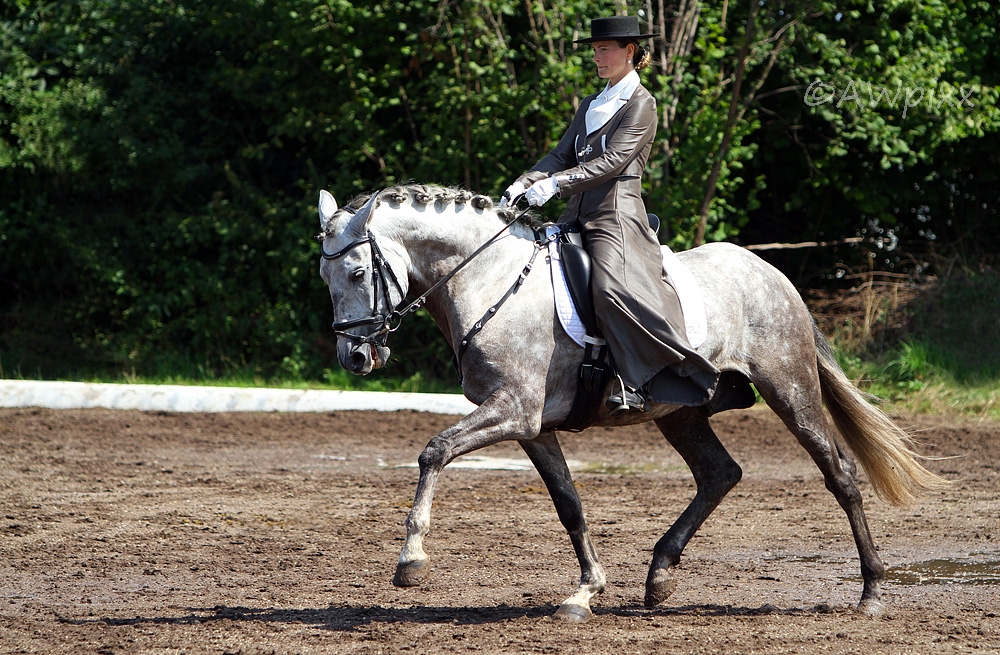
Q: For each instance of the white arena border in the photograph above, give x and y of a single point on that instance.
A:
(176, 398)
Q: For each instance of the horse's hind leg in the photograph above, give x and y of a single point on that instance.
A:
(715, 472)
(799, 404)
(547, 456)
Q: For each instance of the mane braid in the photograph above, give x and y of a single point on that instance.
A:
(423, 194)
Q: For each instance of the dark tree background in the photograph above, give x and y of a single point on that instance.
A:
(160, 161)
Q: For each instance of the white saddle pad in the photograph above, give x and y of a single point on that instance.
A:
(688, 293)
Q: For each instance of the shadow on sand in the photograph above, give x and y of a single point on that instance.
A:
(349, 618)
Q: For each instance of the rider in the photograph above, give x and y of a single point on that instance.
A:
(597, 166)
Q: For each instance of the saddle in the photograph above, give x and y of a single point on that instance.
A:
(595, 370)
(733, 390)
(576, 264)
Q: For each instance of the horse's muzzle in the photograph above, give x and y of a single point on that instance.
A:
(362, 358)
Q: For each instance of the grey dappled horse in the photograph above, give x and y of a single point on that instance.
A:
(521, 368)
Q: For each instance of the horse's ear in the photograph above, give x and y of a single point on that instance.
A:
(358, 227)
(327, 208)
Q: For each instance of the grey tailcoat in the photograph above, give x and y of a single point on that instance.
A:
(637, 309)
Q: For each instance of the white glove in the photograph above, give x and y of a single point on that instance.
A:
(512, 194)
(541, 191)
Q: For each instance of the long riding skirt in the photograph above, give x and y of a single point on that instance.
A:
(639, 313)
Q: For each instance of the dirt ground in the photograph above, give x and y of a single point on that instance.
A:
(134, 532)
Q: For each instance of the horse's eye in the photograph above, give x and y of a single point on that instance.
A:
(358, 274)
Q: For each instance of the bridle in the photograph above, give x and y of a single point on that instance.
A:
(383, 275)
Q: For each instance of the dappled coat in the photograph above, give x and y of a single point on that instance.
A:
(600, 174)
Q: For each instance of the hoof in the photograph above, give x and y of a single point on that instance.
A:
(872, 608)
(573, 613)
(412, 574)
(658, 588)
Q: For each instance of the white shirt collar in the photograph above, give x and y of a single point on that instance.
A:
(621, 91)
(610, 100)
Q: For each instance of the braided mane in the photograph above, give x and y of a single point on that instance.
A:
(422, 194)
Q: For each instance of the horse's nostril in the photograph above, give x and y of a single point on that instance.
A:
(357, 361)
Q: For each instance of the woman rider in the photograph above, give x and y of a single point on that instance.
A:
(597, 166)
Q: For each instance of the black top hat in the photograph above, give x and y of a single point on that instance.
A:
(615, 28)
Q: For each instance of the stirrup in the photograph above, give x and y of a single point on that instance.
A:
(625, 400)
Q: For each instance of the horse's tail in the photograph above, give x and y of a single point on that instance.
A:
(883, 448)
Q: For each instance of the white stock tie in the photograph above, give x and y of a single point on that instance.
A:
(610, 100)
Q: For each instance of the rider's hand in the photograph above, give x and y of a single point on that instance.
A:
(512, 194)
(541, 191)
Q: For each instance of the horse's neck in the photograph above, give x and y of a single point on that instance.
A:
(437, 244)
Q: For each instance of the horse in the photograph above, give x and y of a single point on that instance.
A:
(460, 253)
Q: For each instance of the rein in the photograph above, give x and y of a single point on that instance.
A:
(382, 272)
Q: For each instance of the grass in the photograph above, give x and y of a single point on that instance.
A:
(910, 377)
(907, 380)
(186, 374)
(926, 346)
(933, 349)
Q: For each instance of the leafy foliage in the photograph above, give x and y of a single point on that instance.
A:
(899, 143)
(160, 161)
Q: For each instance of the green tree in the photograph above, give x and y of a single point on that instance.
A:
(890, 133)
(160, 161)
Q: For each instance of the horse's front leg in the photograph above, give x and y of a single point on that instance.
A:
(500, 417)
(547, 456)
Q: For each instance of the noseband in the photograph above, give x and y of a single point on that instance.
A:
(382, 275)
